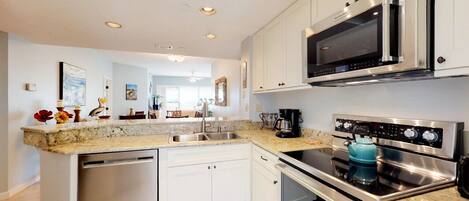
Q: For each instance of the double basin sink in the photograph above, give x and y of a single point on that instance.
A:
(197, 137)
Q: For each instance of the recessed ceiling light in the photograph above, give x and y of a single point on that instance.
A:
(113, 25)
(208, 11)
(210, 36)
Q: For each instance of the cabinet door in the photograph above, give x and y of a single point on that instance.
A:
(191, 182)
(230, 181)
(258, 61)
(265, 185)
(274, 54)
(324, 8)
(297, 18)
(451, 34)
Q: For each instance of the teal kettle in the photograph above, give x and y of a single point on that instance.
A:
(362, 150)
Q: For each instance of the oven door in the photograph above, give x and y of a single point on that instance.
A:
(363, 36)
(297, 186)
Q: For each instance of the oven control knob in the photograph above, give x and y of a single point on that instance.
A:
(348, 125)
(411, 133)
(338, 124)
(430, 136)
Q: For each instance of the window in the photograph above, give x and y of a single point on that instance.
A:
(184, 97)
(172, 98)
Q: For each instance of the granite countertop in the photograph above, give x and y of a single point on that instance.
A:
(55, 128)
(263, 138)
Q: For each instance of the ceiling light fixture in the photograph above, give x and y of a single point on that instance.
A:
(176, 58)
(210, 36)
(113, 25)
(208, 11)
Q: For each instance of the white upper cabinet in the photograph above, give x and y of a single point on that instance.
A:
(274, 54)
(278, 50)
(297, 18)
(451, 37)
(321, 9)
(258, 61)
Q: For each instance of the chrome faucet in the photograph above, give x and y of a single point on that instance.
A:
(203, 126)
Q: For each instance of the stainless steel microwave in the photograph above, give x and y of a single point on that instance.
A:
(370, 41)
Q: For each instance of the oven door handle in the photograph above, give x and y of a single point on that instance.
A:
(310, 184)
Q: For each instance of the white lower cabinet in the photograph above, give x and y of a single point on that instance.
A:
(265, 182)
(205, 173)
(191, 182)
(230, 181)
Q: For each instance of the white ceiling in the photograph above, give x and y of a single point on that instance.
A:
(147, 23)
(158, 64)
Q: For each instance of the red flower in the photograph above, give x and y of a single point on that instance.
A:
(43, 115)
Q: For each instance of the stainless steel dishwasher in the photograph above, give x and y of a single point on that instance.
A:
(120, 176)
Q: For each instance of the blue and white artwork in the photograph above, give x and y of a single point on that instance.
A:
(72, 85)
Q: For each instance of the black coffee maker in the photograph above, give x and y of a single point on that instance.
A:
(288, 123)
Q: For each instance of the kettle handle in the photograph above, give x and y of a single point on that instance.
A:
(275, 124)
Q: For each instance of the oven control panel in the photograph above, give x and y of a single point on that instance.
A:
(419, 135)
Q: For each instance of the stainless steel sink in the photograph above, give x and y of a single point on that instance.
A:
(222, 136)
(189, 138)
(204, 136)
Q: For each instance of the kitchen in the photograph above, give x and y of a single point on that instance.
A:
(385, 77)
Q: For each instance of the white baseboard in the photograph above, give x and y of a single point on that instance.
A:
(15, 190)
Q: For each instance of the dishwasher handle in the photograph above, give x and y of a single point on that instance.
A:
(119, 162)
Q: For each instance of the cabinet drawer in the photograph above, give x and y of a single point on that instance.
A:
(206, 154)
(264, 158)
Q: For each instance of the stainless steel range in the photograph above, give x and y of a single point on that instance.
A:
(413, 157)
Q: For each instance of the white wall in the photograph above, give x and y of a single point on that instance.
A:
(36, 63)
(443, 99)
(231, 70)
(126, 74)
(3, 112)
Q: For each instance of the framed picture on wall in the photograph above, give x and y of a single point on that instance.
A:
(72, 85)
(131, 91)
(221, 91)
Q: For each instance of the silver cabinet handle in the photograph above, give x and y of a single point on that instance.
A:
(264, 159)
(110, 163)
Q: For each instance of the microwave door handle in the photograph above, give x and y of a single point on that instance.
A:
(386, 32)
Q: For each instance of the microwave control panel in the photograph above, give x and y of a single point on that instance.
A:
(432, 137)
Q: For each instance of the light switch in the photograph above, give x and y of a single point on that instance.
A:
(30, 87)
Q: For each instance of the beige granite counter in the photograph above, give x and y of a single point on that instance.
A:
(263, 138)
(447, 194)
(80, 139)
(115, 123)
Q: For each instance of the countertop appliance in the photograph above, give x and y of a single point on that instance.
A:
(463, 180)
(268, 119)
(371, 41)
(119, 176)
(413, 157)
(288, 123)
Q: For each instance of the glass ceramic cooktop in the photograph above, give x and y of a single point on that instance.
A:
(379, 179)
